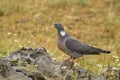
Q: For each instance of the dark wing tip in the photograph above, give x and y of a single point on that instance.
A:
(105, 51)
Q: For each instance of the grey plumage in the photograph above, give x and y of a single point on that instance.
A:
(73, 47)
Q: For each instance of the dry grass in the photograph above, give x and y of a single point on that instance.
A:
(29, 23)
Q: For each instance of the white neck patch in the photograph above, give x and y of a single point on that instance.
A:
(62, 33)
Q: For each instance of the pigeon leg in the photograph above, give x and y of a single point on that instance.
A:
(70, 60)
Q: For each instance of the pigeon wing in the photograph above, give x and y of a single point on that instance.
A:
(79, 47)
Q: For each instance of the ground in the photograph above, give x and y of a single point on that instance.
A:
(29, 23)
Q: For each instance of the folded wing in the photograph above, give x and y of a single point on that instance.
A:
(82, 48)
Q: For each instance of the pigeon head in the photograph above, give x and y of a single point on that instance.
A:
(60, 29)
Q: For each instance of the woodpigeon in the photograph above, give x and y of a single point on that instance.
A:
(73, 47)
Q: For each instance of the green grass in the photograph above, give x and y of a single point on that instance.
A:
(29, 23)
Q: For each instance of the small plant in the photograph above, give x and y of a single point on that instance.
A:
(2, 52)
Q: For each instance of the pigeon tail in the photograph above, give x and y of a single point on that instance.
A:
(106, 51)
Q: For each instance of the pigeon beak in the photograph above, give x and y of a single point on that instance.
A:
(55, 25)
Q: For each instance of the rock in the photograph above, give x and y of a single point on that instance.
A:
(36, 64)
